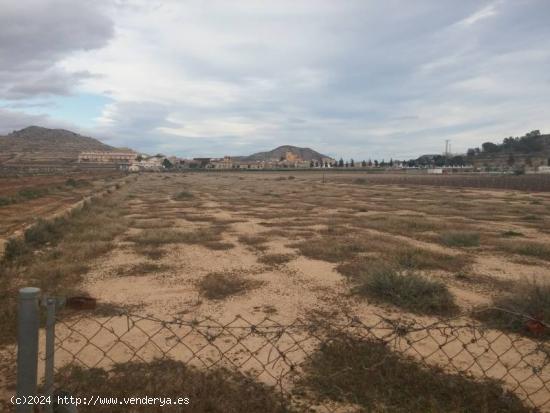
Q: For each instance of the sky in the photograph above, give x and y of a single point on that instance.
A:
(353, 78)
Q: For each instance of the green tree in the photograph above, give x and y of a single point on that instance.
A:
(489, 147)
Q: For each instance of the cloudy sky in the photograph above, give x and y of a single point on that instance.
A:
(362, 79)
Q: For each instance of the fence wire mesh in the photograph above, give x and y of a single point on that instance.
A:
(282, 355)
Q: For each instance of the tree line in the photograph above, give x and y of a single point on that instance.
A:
(531, 142)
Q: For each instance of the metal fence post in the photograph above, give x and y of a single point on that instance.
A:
(50, 351)
(28, 323)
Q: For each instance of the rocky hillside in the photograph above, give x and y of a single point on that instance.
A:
(35, 144)
(276, 154)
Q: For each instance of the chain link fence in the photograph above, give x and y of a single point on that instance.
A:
(312, 364)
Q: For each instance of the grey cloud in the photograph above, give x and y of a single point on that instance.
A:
(52, 82)
(135, 124)
(35, 35)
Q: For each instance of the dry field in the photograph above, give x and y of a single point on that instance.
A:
(297, 245)
(24, 199)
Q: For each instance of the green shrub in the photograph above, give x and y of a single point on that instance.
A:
(414, 258)
(44, 232)
(528, 248)
(406, 290)
(220, 285)
(32, 193)
(529, 301)
(14, 248)
(330, 248)
(183, 196)
(460, 239)
(511, 233)
(5, 200)
(77, 183)
(275, 259)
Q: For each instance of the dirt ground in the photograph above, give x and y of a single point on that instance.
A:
(251, 226)
(285, 211)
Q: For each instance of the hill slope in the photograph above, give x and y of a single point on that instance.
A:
(43, 145)
(276, 154)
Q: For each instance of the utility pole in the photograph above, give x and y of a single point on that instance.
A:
(447, 149)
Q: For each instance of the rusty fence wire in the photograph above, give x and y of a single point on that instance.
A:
(278, 354)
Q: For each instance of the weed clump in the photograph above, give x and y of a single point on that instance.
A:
(512, 233)
(331, 249)
(169, 236)
(407, 290)
(525, 311)
(460, 239)
(528, 248)
(254, 241)
(220, 285)
(275, 259)
(422, 259)
(183, 196)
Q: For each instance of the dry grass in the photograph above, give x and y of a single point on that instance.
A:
(183, 196)
(54, 255)
(140, 269)
(386, 282)
(460, 239)
(159, 237)
(528, 248)
(254, 241)
(523, 305)
(423, 259)
(400, 225)
(512, 233)
(331, 249)
(151, 252)
(198, 217)
(276, 260)
(219, 245)
(379, 380)
(152, 223)
(342, 249)
(220, 285)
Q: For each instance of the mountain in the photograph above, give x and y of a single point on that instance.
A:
(281, 152)
(35, 144)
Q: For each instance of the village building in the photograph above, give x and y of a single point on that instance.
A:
(147, 163)
(105, 159)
